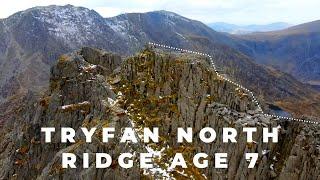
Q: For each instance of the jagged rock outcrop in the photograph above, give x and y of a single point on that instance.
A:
(78, 97)
(178, 90)
(92, 88)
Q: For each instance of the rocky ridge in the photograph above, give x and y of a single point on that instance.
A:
(32, 40)
(93, 88)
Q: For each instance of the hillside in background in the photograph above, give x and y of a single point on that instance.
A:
(295, 50)
(246, 29)
(32, 40)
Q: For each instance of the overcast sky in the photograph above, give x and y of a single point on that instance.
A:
(231, 11)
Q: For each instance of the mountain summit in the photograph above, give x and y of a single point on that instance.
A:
(32, 40)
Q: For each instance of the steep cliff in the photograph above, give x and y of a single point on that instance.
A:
(179, 90)
(92, 88)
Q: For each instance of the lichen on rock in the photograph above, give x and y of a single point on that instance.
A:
(92, 88)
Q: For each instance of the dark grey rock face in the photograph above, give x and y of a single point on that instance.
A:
(79, 96)
(92, 88)
(184, 83)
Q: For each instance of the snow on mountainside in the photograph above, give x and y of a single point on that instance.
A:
(79, 29)
(137, 27)
(122, 27)
(72, 24)
(35, 38)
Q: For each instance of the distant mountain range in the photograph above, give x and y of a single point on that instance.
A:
(32, 40)
(245, 29)
(295, 50)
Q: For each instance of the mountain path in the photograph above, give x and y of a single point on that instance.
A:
(254, 99)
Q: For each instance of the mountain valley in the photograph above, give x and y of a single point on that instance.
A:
(28, 52)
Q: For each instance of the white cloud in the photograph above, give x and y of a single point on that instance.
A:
(109, 11)
(232, 11)
(113, 11)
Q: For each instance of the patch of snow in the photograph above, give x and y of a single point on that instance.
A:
(278, 127)
(157, 170)
(119, 93)
(264, 152)
(275, 158)
(111, 101)
(180, 35)
(66, 106)
(89, 68)
(70, 105)
(272, 166)
(175, 16)
(155, 154)
(72, 24)
(119, 26)
(84, 103)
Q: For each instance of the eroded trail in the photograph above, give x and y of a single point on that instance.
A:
(224, 77)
